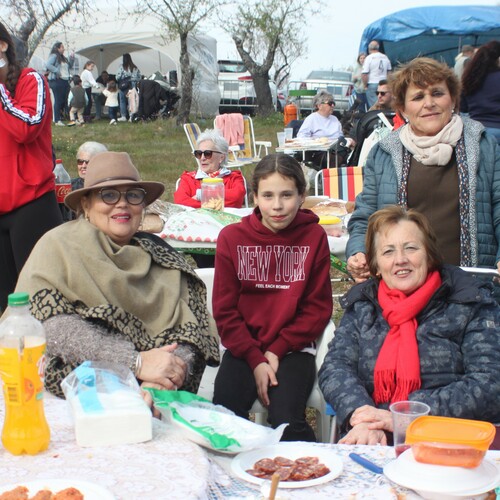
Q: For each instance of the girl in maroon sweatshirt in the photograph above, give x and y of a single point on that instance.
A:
(272, 299)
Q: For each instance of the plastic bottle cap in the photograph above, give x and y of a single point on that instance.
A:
(212, 180)
(18, 299)
(59, 161)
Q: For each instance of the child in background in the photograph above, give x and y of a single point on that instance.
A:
(77, 100)
(272, 299)
(111, 93)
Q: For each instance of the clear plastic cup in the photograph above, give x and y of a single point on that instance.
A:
(288, 134)
(403, 413)
(281, 139)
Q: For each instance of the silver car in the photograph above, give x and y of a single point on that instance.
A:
(337, 83)
(237, 90)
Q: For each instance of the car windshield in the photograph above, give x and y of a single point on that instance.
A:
(330, 75)
(231, 67)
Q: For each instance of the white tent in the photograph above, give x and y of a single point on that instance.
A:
(106, 42)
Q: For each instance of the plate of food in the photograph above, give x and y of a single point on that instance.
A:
(298, 465)
(440, 481)
(61, 489)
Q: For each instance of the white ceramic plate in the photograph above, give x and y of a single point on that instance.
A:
(90, 491)
(244, 461)
(429, 480)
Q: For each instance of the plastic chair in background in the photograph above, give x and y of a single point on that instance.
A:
(343, 183)
(316, 400)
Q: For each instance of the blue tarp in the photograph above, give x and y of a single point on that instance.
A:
(437, 32)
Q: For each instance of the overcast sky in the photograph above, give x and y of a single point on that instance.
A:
(334, 36)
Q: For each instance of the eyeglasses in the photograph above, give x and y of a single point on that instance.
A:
(330, 103)
(111, 196)
(207, 153)
(382, 93)
(81, 162)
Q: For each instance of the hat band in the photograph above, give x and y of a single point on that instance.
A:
(133, 179)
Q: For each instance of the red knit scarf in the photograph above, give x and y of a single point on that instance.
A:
(397, 369)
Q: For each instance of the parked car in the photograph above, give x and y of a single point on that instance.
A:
(237, 90)
(337, 83)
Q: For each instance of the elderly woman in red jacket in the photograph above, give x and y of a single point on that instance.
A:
(211, 153)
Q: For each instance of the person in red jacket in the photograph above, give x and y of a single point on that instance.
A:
(272, 299)
(211, 152)
(28, 206)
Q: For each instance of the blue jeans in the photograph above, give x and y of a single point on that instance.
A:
(113, 112)
(371, 94)
(122, 99)
(60, 89)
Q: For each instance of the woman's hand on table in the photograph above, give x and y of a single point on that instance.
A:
(358, 267)
(375, 419)
(264, 377)
(160, 366)
(361, 434)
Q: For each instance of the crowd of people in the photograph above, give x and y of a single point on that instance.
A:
(415, 326)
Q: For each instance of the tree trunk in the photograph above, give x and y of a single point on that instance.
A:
(263, 93)
(186, 83)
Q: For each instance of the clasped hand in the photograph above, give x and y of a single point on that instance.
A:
(368, 426)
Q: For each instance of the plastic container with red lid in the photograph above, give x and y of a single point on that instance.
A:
(449, 441)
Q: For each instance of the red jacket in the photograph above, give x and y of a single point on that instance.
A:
(26, 161)
(272, 291)
(234, 190)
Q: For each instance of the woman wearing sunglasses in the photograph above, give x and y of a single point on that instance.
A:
(85, 152)
(322, 123)
(211, 154)
(106, 292)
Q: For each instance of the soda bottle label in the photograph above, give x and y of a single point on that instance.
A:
(22, 375)
(61, 191)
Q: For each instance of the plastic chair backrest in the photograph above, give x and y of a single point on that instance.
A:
(192, 131)
(343, 183)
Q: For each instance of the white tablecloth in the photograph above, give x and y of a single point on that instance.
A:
(355, 482)
(166, 467)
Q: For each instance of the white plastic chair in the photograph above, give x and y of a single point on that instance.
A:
(316, 400)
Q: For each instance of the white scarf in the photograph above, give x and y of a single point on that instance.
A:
(436, 149)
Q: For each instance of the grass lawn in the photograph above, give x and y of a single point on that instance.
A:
(159, 149)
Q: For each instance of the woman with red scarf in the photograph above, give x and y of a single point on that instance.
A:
(418, 330)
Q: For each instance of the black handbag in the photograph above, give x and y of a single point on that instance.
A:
(125, 84)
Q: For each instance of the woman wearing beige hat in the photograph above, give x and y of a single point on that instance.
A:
(106, 292)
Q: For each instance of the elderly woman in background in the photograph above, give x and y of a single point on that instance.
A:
(323, 123)
(85, 152)
(108, 293)
(481, 87)
(418, 330)
(440, 164)
(211, 154)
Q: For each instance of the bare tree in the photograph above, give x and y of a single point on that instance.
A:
(181, 18)
(261, 30)
(30, 20)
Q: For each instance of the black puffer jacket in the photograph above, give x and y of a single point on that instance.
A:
(458, 339)
(151, 97)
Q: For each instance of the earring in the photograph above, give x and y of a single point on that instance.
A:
(452, 111)
(87, 218)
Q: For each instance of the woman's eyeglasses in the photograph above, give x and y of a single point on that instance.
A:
(111, 196)
(207, 153)
(81, 162)
(330, 103)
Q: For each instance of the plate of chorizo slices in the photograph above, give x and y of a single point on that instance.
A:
(298, 465)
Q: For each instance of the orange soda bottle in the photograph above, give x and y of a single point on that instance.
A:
(22, 362)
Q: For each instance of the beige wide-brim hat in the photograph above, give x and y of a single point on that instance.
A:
(109, 169)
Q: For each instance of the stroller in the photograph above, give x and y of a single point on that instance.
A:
(155, 101)
(366, 124)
